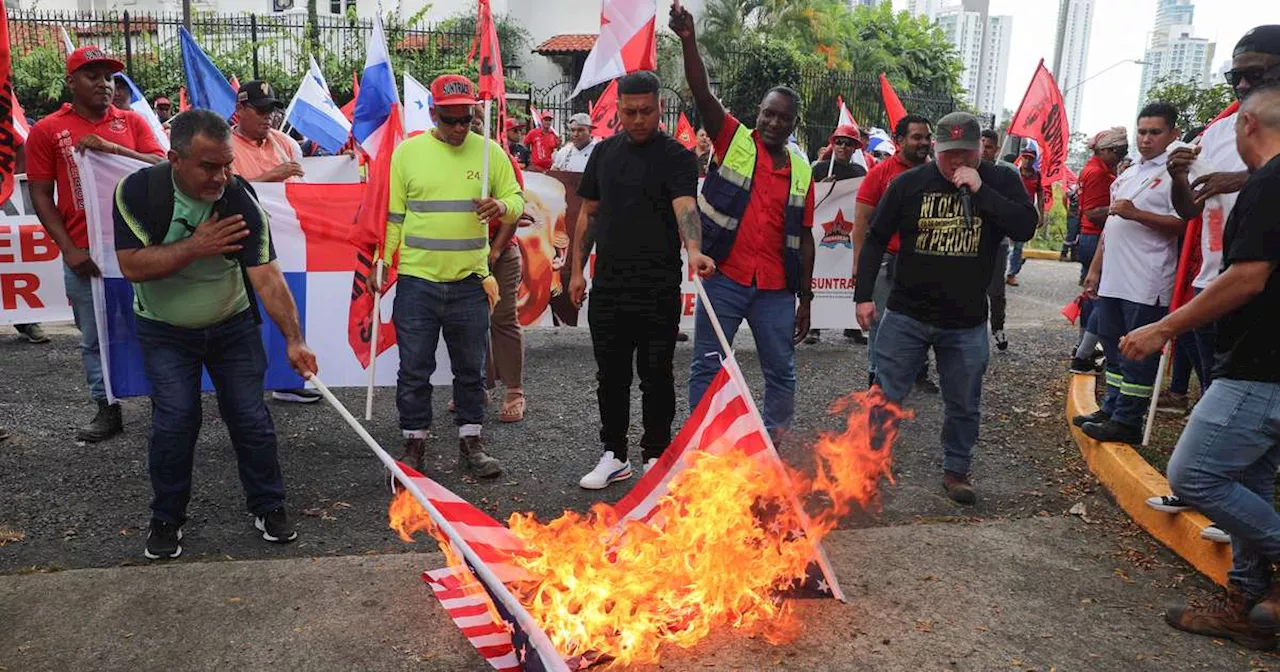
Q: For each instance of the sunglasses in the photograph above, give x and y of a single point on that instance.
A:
(845, 142)
(464, 120)
(1254, 75)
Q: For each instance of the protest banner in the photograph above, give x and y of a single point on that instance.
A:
(31, 284)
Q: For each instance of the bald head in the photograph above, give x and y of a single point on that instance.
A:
(1258, 126)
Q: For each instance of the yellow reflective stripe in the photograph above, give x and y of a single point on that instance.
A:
(134, 225)
(797, 200)
(446, 244)
(1132, 390)
(395, 217)
(441, 206)
(801, 176)
(793, 242)
(740, 158)
(719, 218)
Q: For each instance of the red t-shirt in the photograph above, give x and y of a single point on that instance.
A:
(542, 146)
(54, 138)
(1095, 192)
(877, 182)
(757, 251)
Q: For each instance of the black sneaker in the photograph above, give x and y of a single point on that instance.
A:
(856, 335)
(1096, 416)
(1168, 504)
(105, 424)
(1084, 367)
(1113, 432)
(276, 527)
(164, 541)
(814, 337)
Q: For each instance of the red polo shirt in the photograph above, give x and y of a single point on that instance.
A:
(1095, 192)
(542, 146)
(54, 138)
(756, 256)
(877, 182)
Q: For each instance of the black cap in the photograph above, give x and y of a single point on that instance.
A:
(1262, 40)
(958, 130)
(258, 94)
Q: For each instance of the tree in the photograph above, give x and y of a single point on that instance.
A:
(1197, 106)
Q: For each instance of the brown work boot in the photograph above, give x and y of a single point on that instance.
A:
(1266, 613)
(958, 488)
(413, 453)
(1226, 617)
(475, 460)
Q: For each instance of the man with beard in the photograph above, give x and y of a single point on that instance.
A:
(89, 121)
(640, 186)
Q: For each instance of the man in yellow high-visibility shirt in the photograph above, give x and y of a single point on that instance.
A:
(438, 223)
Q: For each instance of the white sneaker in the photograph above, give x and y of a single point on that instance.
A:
(298, 396)
(609, 470)
(648, 465)
(1215, 534)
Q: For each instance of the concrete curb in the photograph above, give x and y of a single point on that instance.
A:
(1047, 255)
(1131, 480)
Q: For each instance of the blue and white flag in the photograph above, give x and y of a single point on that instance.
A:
(206, 86)
(378, 93)
(314, 114)
(417, 106)
(138, 103)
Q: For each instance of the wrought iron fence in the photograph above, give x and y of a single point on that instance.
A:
(555, 99)
(275, 48)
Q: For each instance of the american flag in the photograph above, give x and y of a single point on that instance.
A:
(724, 420)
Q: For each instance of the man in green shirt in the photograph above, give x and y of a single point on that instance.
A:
(190, 236)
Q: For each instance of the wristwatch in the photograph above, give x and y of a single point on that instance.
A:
(805, 295)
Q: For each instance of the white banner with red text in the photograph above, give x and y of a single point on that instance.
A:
(31, 284)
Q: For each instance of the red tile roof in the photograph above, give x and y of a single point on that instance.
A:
(567, 44)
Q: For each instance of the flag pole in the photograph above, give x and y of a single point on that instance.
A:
(537, 637)
(484, 171)
(373, 341)
(1155, 394)
(823, 562)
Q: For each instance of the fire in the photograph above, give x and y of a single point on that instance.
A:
(721, 548)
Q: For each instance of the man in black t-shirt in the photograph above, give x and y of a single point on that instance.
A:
(1225, 462)
(514, 146)
(640, 186)
(951, 215)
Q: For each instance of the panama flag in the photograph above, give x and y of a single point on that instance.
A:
(628, 42)
(310, 225)
(417, 106)
(378, 93)
(314, 114)
(206, 85)
(138, 103)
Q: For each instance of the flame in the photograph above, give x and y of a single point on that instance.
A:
(731, 536)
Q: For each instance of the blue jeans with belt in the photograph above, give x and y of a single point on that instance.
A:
(231, 351)
(1225, 467)
(423, 311)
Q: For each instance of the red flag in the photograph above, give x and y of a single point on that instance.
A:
(492, 83)
(235, 86)
(1191, 258)
(604, 116)
(685, 134)
(8, 129)
(349, 110)
(368, 236)
(183, 105)
(892, 106)
(1042, 117)
(20, 127)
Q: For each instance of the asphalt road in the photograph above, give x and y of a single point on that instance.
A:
(1014, 582)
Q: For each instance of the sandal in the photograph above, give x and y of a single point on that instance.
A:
(512, 408)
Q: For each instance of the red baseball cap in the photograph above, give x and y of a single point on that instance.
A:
(452, 90)
(88, 55)
(514, 123)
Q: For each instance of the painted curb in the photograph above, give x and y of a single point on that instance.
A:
(1130, 480)
(1047, 255)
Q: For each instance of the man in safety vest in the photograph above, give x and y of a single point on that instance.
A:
(439, 225)
(757, 212)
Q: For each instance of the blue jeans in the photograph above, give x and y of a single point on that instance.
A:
(1130, 383)
(1194, 352)
(1225, 467)
(962, 356)
(232, 352)
(1015, 257)
(1086, 248)
(424, 310)
(771, 314)
(884, 285)
(80, 294)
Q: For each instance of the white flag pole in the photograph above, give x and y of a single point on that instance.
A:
(373, 341)
(731, 366)
(537, 637)
(1155, 395)
(484, 171)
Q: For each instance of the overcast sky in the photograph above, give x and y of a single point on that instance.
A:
(1121, 29)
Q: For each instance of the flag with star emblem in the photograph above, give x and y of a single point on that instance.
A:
(685, 134)
(314, 114)
(417, 107)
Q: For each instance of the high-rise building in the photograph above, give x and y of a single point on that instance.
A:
(868, 3)
(1175, 54)
(982, 41)
(1170, 13)
(1071, 53)
(926, 8)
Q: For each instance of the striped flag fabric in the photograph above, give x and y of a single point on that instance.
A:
(138, 103)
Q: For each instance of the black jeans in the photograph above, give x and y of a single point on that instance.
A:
(232, 352)
(629, 324)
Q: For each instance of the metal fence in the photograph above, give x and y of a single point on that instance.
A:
(274, 48)
(555, 99)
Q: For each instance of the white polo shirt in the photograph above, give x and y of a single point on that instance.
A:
(570, 158)
(1218, 154)
(1138, 262)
